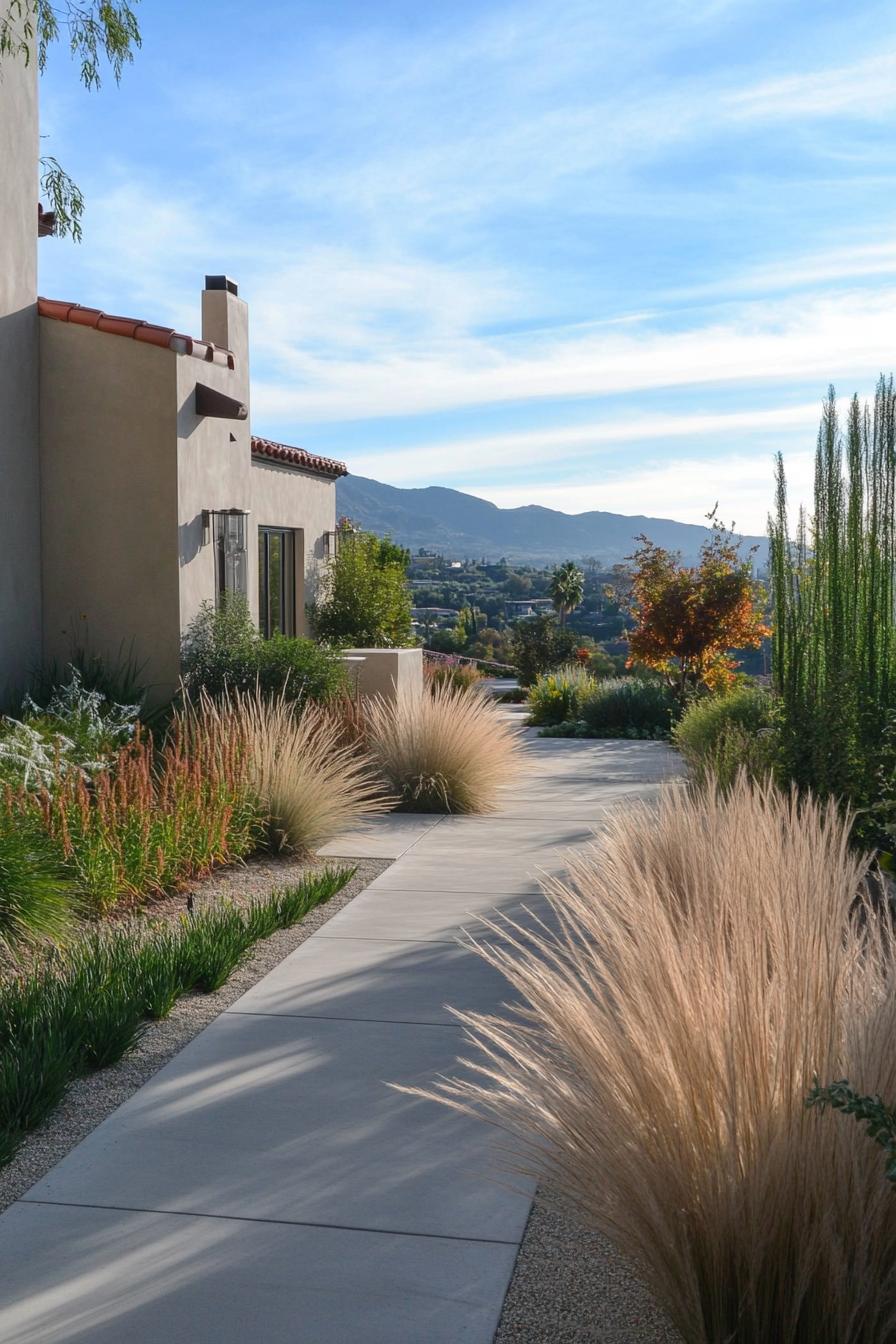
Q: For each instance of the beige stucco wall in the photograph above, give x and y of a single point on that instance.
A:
(215, 473)
(386, 672)
(20, 590)
(213, 455)
(109, 465)
(288, 497)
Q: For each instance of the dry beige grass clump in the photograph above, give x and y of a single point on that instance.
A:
(311, 784)
(448, 751)
(711, 960)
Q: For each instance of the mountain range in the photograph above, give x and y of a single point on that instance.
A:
(461, 526)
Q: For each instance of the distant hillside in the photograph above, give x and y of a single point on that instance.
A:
(461, 526)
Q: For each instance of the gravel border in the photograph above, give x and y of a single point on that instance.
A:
(90, 1100)
(571, 1286)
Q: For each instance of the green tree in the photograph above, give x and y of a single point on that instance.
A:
(540, 645)
(94, 30)
(567, 588)
(365, 600)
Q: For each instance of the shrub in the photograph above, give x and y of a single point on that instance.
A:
(79, 730)
(627, 707)
(445, 752)
(365, 600)
(463, 676)
(223, 652)
(85, 1009)
(713, 958)
(309, 786)
(602, 664)
(721, 734)
(540, 645)
(35, 899)
(117, 678)
(555, 696)
(146, 824)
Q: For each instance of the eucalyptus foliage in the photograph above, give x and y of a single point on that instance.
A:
(833, 594)
(94, 31)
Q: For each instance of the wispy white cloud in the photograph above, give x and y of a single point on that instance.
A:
(809, 339)
(865, 88)
(565, 447)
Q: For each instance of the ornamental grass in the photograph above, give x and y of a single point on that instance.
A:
(711, 959)
(152, 819)
(310, 784)
(448, 751)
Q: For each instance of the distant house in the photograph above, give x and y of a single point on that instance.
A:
(517, 609)
(133, 489)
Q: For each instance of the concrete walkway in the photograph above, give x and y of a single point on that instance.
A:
(266, 1185)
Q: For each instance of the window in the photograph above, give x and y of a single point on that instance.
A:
(276, 581)
(231, 556)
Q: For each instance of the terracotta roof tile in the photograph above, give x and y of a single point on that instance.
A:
(297, 457)
(165, 337)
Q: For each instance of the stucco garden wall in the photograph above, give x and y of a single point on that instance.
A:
(109, 517)
(20, 584)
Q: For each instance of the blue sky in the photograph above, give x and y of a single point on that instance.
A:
(571, 253)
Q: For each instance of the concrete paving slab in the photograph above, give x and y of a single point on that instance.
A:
(430, 916)
(98, 1276)
(377, 980)
(292, 1119)
(385, 837)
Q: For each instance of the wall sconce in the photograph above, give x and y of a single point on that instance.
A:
(209, 514)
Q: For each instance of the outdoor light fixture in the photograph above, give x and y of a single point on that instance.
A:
(209, 514)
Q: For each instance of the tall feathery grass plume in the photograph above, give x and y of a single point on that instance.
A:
(310, 784)
(711, 959)
(448, 751)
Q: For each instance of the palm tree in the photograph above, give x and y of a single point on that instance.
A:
(567, 588)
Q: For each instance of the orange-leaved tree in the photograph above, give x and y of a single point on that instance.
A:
(688, 619)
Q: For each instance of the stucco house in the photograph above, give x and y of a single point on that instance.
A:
(155, 495)
(131, 486)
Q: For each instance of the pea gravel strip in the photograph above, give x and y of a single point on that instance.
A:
(89, 1100)
(571, 1286)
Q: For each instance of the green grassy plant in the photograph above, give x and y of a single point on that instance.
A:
(833, 587)
(85, 1007)
(555, 696)
(35, 899)
(626, 707)
(720, 734)
(215, 942)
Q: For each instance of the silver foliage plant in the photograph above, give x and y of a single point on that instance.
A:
(77, 730)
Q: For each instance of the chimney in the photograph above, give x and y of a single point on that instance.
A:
(225, 320)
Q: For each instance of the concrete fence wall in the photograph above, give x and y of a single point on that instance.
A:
(386, 672)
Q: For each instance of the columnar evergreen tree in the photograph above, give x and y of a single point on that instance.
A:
(833, 594)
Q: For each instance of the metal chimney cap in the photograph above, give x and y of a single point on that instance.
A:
(221, 282)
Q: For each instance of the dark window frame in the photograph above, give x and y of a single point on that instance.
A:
(277, 546)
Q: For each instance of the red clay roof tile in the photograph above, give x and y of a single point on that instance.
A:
(164, 337)
(297, 457)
